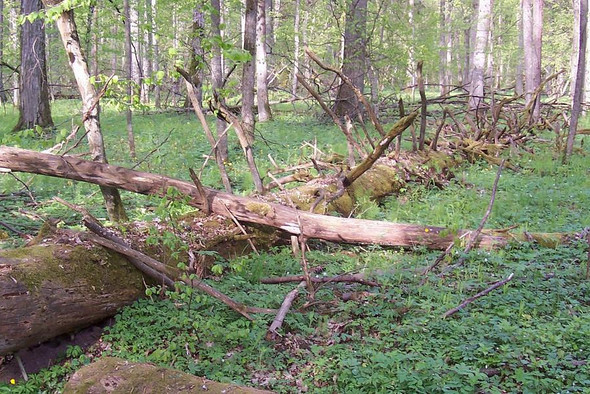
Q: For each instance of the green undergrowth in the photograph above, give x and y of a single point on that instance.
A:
(530, 335)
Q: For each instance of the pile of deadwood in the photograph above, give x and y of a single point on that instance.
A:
(64, 280)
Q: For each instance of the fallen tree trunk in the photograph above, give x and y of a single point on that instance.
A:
(252, 210)
(49, 290)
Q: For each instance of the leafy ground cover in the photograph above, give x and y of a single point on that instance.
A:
(530, 335)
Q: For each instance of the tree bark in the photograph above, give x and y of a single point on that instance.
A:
(354, 63)
(49, 290)
(250, 210)
(217, 78)
(532, 25)
(264, 112)
(249, 70)
(579, 79)
(33, 106)
(297, 19)
(3, 95)
(476, 88)
(129, 71)
(90, 105)
(197, 53)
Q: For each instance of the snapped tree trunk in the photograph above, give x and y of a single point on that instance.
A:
(33, 105)
(90, 105)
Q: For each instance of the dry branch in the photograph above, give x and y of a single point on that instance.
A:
(396, 130)
(349, 278)
(475, 235)
(355, 89)
(148, 265)
(478, 295)
(283, 310)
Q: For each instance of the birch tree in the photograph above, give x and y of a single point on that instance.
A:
(264, 112)
(66, 25)
(476, 88)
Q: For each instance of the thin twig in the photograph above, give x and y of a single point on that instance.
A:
(475, 235)
(140, 162)
(478, 295)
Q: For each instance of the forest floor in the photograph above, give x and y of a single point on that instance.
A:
(530, 335)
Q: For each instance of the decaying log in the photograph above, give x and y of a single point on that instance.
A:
(115, 375)
(251, 210)
(49, 290)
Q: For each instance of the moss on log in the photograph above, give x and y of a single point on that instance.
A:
(115, 375)
(49, 290)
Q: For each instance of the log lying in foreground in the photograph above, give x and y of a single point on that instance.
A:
(250, 210)
(111, 374)
(49, 290)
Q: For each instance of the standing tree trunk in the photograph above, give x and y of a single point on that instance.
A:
(3, 96)
(129, 70)
(582, 20)
(195, 67)
(90, 105)
(442, 49)
(14, 31)
(411, 56)
(148, 53)
(532, 26)
(248, 70)
(246, 128)
(156, 57)
(476, 88)
(519, 82)
(33, 105)
(297, 19)
(217, 78)
(264, 113)
(354, 64)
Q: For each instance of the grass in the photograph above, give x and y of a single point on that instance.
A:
(529, 336)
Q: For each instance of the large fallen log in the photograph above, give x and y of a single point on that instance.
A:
(49, 290)
(252, 210)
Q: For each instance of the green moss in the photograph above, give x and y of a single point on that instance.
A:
(259, 208)
(69, 266)
(118, 375)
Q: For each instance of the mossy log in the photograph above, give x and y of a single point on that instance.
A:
(115, 375)
(49, 290)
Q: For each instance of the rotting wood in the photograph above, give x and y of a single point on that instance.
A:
(51, 289)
